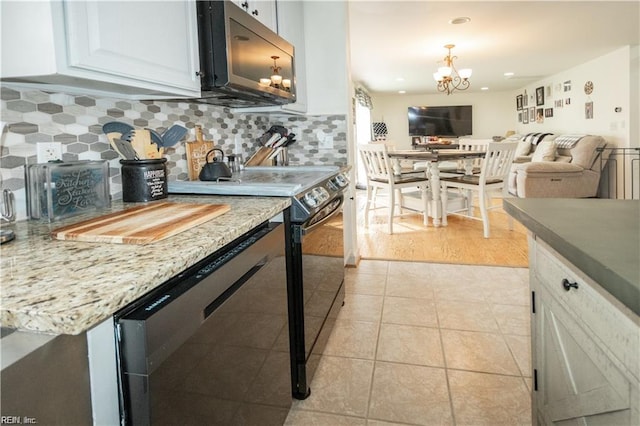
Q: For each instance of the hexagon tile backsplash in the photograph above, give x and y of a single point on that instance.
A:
(33, 116)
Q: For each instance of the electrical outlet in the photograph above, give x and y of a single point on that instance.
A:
(326, 142)
(48, 151)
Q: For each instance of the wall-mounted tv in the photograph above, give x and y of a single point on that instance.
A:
(450, 121)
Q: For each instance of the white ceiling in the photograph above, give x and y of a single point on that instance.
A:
(392, 40)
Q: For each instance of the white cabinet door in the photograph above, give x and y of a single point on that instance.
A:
(263, 10)
(585, 347)
(136, 50)
(575, 379)
(152, 42)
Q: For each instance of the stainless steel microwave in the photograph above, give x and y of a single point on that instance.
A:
(243, 63)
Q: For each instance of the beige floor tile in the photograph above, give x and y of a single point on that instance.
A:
(313, 418)
(513, 319)
(489, 399)
(508, 292)
(339, 386)
(415, 270)
(410, 394)
(356, 339)
(460, 291)
(411, 345)
(361, 307)
(466, 316)
(372, 284)
(521, 349)
(409, 311)
(409, 286)
(452, 275)
(475, 351)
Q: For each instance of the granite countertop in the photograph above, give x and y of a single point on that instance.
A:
(67, 287)
(600, 237)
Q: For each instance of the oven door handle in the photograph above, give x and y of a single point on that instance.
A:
(308, 228)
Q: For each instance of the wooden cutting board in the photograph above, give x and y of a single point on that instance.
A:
(196, 153)
(142, 224)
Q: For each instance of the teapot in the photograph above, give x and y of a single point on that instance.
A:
(216, 168)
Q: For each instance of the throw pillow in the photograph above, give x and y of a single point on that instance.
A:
(523, 148)
(545, 151)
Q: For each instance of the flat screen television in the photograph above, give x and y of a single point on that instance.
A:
(449, 121)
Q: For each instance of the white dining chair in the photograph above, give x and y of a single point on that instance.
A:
(458, 168)
(493, 174)
(380, 175)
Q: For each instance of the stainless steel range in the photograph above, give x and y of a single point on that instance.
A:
(310, 187)
(315, 276)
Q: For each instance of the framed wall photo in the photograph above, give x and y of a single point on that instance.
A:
(519, 102)
(588, 110)
(540, 115)
(548, 112)
(532, 114)
(520, 117)
(525, 99)
(540, 96)
(525, 116)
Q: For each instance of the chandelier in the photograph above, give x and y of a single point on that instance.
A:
(448, 77)
(276, 79)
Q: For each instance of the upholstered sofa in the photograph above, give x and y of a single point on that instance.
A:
(549, 166)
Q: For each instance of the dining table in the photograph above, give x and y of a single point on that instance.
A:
(433, 159)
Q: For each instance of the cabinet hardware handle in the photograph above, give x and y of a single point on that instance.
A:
(255, 12)
(245, 5)
(568, 285)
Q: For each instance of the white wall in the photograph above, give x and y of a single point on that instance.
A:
(492, 112)
(611, 75)
(614, 77)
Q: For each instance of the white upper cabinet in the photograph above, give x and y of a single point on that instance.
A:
(263, 10)
(135, 50)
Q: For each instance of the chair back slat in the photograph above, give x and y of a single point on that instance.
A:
(376, 161)
(474, 146)
(497, 161)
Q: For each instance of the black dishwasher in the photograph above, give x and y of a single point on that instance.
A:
(211, 346)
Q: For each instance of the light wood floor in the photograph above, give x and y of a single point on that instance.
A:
(461, 241)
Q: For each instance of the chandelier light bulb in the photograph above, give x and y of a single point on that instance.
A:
(286, 83)
(444, 71)
(265, 82)
(465, 73)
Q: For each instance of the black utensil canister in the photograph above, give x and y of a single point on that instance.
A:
(144, 180)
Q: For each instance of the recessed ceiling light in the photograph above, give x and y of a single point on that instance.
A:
(484, 88)
(460, 20)
(402, 92)
(508, 74)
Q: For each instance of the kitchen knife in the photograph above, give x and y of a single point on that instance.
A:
(280, 142)
(272, 140)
